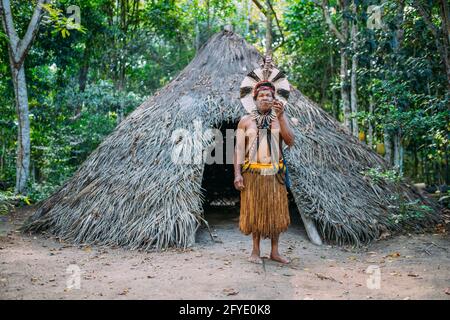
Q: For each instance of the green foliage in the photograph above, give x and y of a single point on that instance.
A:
(40, 191)
(80, 84)
(3, 36)
(408, 211)
(61, 24)
(402, 211)
(376, 175)
(8, 200)
(82, 122)
(308, 51)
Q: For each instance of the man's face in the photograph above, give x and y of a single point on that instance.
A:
(264, 100)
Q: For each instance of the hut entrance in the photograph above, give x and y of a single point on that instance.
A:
(221, 202)
(221, 199)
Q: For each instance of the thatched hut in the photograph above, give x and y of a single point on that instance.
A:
(130, 193)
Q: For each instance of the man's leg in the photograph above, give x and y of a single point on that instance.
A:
(256, 252)
(274, 254)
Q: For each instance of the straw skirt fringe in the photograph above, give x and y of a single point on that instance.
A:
(264, 205)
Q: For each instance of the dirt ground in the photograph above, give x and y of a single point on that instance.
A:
(404, 267)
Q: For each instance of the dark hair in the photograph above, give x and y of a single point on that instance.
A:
(264, 85)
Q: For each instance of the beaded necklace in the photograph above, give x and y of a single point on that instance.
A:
(263, 121)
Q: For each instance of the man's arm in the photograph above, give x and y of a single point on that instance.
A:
(239, 155)
(285, 130)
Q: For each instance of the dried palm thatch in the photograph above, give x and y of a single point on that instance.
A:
(130, 193)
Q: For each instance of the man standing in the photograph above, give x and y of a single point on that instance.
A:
(259, 167)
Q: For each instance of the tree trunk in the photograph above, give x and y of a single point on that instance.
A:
(416, 162)
(426, 169)
(397, 138)
(124, 24)
(370, 130)
(208, 20)
(354, 94)
(398, 150)
(23, 130)
(436, 174)
(445, 30)
(323, 87)
(445, 18)
(354, 97)
(343, 39)
(268, 28)
(335, 107)
(18, 50)
(197, 35)
(82, 77)
(122, 73)
(2, 158)
(447, 173)
(387, 147)
(249, 17)
(344, 89)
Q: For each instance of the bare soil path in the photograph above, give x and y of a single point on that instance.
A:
(38, 267)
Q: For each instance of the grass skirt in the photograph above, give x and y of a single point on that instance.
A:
(264, 205)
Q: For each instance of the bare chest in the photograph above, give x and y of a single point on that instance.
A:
(257, 142)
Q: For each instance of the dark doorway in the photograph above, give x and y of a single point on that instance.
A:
(221, 199)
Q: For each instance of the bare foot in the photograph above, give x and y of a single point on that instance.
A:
(279, 258)
(255, 258)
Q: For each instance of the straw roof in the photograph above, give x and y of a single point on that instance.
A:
(130, 193)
